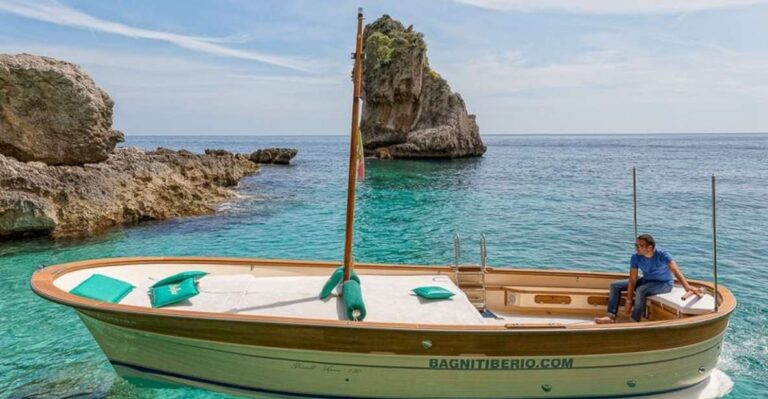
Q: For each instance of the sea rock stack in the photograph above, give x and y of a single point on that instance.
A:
(409, 110)
(52, 112)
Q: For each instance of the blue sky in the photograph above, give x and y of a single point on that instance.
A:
(522, 66)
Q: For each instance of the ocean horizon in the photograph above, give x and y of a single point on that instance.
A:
(560, 201)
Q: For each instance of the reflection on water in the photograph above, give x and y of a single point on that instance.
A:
(454, 174)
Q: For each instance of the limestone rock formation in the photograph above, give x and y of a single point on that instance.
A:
(60, 173)
(409, 110)
(130, 186)
(217, 151)
(52, 112)
(281, 156)
(24, 213)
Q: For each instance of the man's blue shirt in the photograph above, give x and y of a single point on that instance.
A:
(654, 268)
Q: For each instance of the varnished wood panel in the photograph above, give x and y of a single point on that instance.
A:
(552, 299)
(507, 342)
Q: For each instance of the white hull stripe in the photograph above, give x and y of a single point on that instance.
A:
(443, 369)
(148, 370)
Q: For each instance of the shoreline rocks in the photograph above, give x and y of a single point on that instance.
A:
(281, 156)
(409, 110)
(51, 111)
(60, 173)
(130, 186)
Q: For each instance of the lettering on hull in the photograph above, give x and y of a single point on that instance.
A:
(501, 364)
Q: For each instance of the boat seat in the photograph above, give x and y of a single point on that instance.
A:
(691, 306)
(560, 290)
(555, 298)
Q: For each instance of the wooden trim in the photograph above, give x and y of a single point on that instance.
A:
(556, 290)
(660, 311)
(553, 299)
(597, 300)
(554, 311)
(515, 340)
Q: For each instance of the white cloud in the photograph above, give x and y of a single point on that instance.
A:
(171, 95)
(55, 13)
(610, 6)
(153, 64)
(288, 79)
(612, 91)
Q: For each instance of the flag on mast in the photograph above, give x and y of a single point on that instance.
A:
(360, 155)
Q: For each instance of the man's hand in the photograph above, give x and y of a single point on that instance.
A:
(689, 291)
(628, 308)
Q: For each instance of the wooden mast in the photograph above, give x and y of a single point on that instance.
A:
(348, 261)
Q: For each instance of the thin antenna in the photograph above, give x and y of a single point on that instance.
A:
(634, 201)
(714, 241)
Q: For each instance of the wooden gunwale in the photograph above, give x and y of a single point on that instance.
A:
(477, 343)
(42, 284)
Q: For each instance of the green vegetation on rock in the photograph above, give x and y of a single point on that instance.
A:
(379, 49)
(387, 41)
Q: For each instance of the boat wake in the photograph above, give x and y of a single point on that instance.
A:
(716, 386)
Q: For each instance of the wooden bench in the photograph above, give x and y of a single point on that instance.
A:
(555, 298)
(591, 300)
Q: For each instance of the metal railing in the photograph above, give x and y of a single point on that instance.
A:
(471, 278)
(456, 249)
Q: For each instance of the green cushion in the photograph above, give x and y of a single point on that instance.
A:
(102, 288)
(179, 277)
(171, 293)
(334, 280)
(432, 292)
(353, 300)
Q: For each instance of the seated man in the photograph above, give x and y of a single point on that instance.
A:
(658, 267)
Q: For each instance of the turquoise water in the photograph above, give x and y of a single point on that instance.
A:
(543, 202)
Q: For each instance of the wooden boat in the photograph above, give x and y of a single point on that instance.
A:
(258, 327)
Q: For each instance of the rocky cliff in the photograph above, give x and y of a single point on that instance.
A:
(60, 173)
(52, 112)
(130, 186)
(409, 110)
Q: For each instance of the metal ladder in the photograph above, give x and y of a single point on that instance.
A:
(470, 278)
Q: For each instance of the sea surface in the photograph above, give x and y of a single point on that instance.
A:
(542, 201)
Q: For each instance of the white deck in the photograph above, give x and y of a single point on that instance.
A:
(387, 298)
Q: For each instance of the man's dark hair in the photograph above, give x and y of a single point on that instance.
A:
(647, 239)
